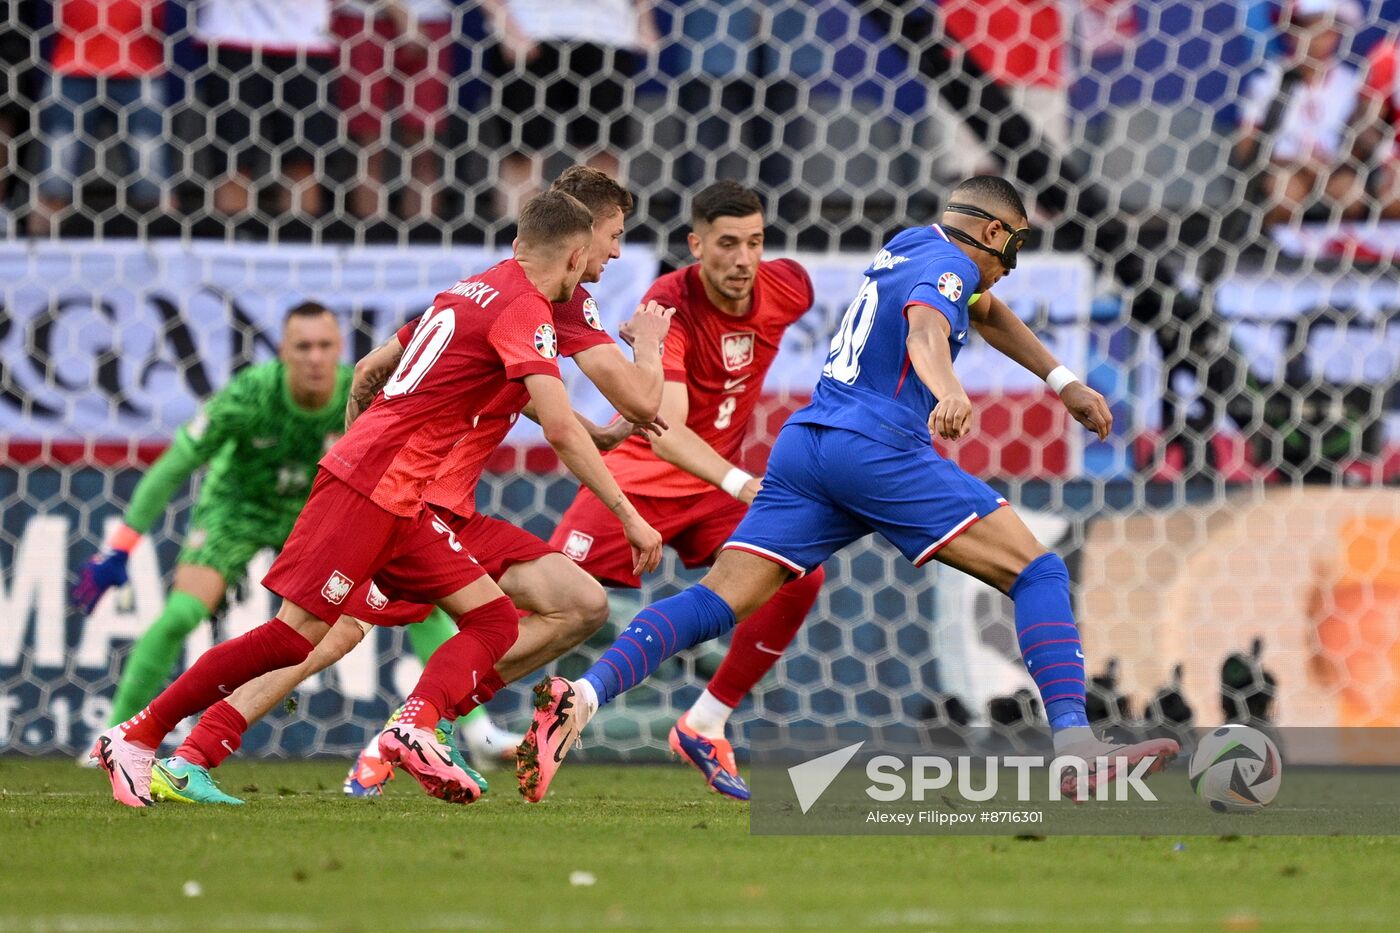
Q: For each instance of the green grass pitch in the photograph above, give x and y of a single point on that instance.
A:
(662, 856)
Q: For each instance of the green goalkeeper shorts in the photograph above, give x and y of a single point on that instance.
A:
(225, 541)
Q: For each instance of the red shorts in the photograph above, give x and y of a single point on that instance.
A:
(496, 545)
(380, 76)
(343, 540)
(693, 526)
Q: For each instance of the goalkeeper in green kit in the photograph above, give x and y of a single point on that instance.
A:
(261, 436)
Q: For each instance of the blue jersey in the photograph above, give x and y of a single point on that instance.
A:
(868, 385)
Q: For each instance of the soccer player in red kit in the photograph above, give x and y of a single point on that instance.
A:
(732, 309)
(365, 520)
(563, 604)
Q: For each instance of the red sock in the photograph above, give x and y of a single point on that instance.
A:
(218, 672)
(488, 687)
(420, 713)
(463, 667)
(761, 638)
(217, 735)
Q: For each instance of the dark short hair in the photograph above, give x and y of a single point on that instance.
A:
(724, 199)
(598, 191)
(305, 309)
(551, 218)
(993, 192)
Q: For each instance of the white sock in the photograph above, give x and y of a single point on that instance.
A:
(478, 729)
(708, 716)
(1076, 740)
(588, 697)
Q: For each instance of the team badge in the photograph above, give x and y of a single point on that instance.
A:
(546, 342)
(375, 598)
(578, 545)
(590, 314)
(737, 350)
(337, 588)
(950, 286)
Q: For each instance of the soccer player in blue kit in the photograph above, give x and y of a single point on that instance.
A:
(859, 459)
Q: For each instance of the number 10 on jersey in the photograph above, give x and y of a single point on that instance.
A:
(843, 362)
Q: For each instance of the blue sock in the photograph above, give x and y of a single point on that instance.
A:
(659, 631)
(1049, 640)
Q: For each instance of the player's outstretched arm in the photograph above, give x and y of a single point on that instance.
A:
(370, 375)
(634, 388)
(606, 438)
(195, 443)
(682, 447)
(927, 344)
(571, 441)
(1010, 336)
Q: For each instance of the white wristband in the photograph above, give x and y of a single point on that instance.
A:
(1060, 377)
(734, 480)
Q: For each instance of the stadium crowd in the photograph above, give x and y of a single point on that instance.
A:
(387, 118)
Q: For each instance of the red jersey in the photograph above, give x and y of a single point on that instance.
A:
(1383, 79)
(114, 38)
(1017, 42)
(476, 338)
(453, 489)
(722, 359)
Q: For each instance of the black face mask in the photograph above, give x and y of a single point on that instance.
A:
(1014, 242)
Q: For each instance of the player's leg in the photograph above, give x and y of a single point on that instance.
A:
(698, 737)
(958, 520)
(185, 775)
(759, 641)
(738, 583)
(195, 593)
(487, 742)
(127, 751)
(312, 577)
(1001, 551)
(215, 556)
(431, 562)
(792, 527)
(565, 607)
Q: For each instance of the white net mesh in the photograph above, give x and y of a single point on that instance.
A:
(1215, 183)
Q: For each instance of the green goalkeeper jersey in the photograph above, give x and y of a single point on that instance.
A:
(262, 450)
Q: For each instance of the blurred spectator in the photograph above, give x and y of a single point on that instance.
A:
(1019, 44)
(1376, 127)
(747, 70)
(108, 57)
(397, 61)
(1304, 103)
(266, 102)
(16, 63)
(562, 73)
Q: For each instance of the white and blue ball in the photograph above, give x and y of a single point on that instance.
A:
(1236, 769)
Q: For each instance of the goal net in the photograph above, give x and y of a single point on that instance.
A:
(1215, 200)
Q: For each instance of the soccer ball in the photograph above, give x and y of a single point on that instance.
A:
(1236, 769)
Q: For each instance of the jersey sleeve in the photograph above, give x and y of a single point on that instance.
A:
(946, 287)
(579, 325)
(524, 337)
(405, 333)
(798, 292)
(673, 349)
(156, 488)
(219, 420)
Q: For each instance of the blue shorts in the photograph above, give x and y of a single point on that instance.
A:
(827, 487)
